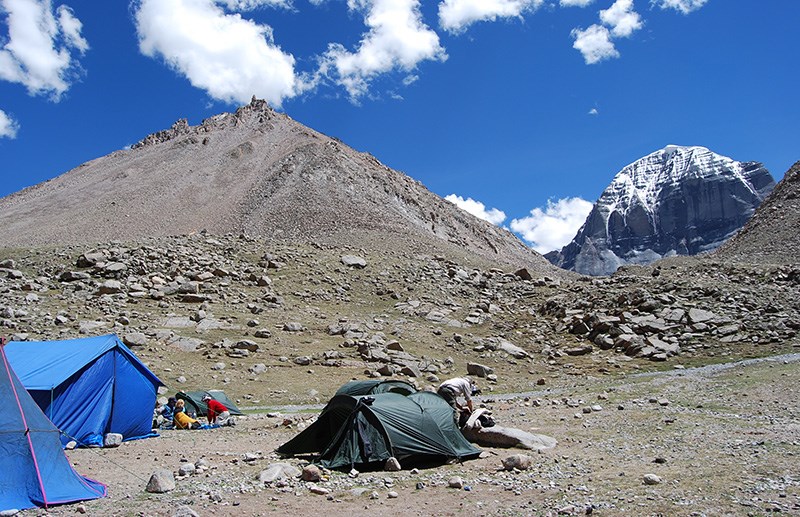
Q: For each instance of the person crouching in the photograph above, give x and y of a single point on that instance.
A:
(217, 412)
(452, 389)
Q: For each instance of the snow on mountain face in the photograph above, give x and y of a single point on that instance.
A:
(645, 179)
(678, 200)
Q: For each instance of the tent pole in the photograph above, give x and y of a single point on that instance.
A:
(113, 389)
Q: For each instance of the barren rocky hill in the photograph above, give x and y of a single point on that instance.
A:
(255, 172)
(772, 235)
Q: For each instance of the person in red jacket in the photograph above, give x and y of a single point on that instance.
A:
(218, 413)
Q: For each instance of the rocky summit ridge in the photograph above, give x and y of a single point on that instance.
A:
(254, 172)
(676, 201)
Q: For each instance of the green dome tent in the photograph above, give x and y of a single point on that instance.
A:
(369, 429)
(195, 404)
(375, 386)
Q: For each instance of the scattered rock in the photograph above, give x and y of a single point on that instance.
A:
(579, 350)
(651, 479)
(311, 473)
(392, 465)
(318, 490)
(161, 481)
(278, 471)
(455, 482)
(186, 469)
(479, 370)
(293, 326)
(112, 440)
(185, 511)
(353, 261)
(517, 461)
(132, 339)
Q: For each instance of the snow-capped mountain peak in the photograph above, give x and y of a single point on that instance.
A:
(677, 200)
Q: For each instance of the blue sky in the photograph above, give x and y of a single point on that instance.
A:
(521, 111)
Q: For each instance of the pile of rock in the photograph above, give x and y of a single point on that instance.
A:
(658, 318)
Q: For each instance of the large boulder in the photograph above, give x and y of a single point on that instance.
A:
(479, 370)
(505, 437)
(511, 349)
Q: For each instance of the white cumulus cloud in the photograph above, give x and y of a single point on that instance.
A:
(71, 28)
(457, 15)
(41, 48)
(594, 43)
(684, 6)
(622, 19)
(8, 126)
(478, 209)
(555, 226)
(228, 56)
(575, 3)
(397, 40)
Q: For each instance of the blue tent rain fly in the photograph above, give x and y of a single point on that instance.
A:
(88, 387)
(35, 470)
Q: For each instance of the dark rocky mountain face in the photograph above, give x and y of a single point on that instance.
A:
(676, 201)
(772, 235)
(255, 172)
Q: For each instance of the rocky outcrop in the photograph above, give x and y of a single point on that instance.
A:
(676, 201)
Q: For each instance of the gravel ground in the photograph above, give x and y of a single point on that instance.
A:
(720, 441)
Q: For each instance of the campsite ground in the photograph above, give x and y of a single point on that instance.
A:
(722, 439)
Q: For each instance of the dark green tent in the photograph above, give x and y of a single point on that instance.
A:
(374, 386)
(369, 429)
(195, 404)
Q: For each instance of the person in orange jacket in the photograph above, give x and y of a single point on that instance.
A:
(181, 419)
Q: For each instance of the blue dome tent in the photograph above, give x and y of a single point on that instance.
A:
(88, 387)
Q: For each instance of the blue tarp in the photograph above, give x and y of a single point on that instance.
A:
(88, 387)
(35, 470)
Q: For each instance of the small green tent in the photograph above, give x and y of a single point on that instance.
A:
(375, 386)
(195, 404)
(369, 429)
